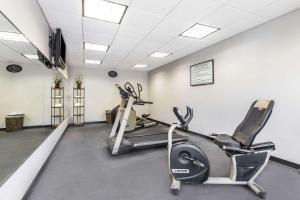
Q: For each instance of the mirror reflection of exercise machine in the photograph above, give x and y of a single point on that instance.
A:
(189, 164)
(134, 122)
(118, 143)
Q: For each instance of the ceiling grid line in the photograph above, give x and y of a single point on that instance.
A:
(113, 67)
(149, 33)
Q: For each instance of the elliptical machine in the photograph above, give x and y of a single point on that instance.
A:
(134, 121)
(189, 164)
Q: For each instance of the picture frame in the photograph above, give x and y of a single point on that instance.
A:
(202, 73)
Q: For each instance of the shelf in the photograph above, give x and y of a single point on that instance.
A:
(57, 106)
(78, 114)
(78, 96)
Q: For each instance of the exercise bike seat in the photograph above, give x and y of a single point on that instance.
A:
(245, 133)
(226, 140)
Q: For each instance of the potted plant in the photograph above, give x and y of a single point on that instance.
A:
(78, 82)
(57, 81)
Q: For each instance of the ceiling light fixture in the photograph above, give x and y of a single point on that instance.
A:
(94, 62)
(157, 54)
(12, 37)
(31, 56)
(140, 66)
(104, 10)
(199, 31)
(95, 47)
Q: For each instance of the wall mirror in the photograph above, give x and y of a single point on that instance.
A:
(26, 81)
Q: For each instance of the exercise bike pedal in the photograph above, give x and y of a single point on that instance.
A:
(195, 162)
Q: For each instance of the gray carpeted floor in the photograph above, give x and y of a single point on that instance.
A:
(81, 168)
(17, 146)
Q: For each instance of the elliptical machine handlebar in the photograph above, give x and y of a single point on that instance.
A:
(129, 88)
(124, 93)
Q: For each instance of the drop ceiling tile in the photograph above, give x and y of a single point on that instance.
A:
(247, 23)
(65, 6)
(75, 58)
(6, 26)
(146, 48)
(122, 45)
(194, 10)
(93, 55)
(176, 44)
(250, 5)
(138, 23)
(99, 31)
(279, 8)
(12, 56)
(123, 2)
(155, 6)
(21, 47)
(64, 21)
(92, 66)
(224, 16)
(168, 29)
(112, 60)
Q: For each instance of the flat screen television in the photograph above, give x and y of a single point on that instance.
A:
(59, 50)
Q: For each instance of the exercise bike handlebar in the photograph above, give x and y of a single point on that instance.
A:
(184, 120)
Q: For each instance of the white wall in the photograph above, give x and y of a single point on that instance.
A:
(26, 92)
(260, 63)
(101, 93)
(28, 17)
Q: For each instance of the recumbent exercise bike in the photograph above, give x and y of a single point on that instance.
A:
(189, 164)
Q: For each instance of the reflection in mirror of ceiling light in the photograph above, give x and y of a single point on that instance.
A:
(31, 56)
(96, 47)
(140, 66)
(157, 54)
(199, 31)
(12, 37)
(104, 10)
(94, 62)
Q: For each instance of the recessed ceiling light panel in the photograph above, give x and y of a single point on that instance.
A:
(157, 54)
(140, 66)
(104, 10)
(199, 31)
(94, 62)
(12, 37)
(31, 56)
(95, 47)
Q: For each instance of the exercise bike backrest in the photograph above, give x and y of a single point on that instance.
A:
(186, 119)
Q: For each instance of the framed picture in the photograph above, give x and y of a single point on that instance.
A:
(202, 73)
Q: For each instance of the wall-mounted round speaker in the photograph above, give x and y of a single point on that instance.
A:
(14, 68)
(112, 74)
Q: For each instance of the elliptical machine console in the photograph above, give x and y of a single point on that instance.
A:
(189, 164)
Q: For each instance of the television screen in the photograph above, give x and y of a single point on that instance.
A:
(59, 50)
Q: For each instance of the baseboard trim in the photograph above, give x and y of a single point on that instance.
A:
(285, 162)
(272, 158)
(27, 127)
(86, 123)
